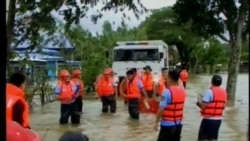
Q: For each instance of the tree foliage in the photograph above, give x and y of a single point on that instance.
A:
(28, 18)
(91, 50)
(216, 18)
(214, 54)
(163, 24)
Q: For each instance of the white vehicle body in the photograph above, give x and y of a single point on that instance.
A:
(138, 54)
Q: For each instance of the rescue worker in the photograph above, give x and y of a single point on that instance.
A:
(123, 84)
(162, 83)
(171, 109)
(184, 77)
(66, 93)
(147, 80)
(15, 132)
(99, 77)
(133, 93)
(106, 89)
(73, 136)
(212, 106)
(76, 78)
(16, 107)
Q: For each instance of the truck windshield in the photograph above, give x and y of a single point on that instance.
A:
(136, 55)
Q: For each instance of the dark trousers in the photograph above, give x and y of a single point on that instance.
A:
(133, 108)
(79, 104)
(108, 102)
(209, 129)
(69, 110)
(149, 93)
(170, 133)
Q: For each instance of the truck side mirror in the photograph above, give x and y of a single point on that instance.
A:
(107, 54)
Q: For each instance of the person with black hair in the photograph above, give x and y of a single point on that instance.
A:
(171, 109)
(17, 108)
(212, 106)
(148, 80)
(133, 93)
(73, 136)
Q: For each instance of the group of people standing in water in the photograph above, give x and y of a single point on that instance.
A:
(165, 98)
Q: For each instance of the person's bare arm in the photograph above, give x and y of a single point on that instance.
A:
(155, 91)
(144, 93)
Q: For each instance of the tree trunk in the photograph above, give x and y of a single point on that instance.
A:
(233, 69)
(10, 26)
(234, 61)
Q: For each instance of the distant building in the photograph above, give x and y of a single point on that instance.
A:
(50, 54)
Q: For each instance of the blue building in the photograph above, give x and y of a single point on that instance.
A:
(50, 54)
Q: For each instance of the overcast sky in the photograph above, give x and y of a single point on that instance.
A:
(117, 18)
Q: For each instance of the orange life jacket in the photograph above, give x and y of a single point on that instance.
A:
(174, 110)
(161, 86)
(132, 89)
(184, 76)
(15, 132)
(147, 80)
(79, 82)
(14, 94)
(216, 107)
(67, 91)
(105, 87)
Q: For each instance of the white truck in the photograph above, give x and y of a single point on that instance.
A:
(138, 54)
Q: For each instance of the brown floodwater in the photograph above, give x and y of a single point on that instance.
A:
(118, 127)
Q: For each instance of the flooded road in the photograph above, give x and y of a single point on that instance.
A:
(119, 127)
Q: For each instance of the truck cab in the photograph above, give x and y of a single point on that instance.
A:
(138, 54)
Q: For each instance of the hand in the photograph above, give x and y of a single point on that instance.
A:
(199, 98)
(156, 127)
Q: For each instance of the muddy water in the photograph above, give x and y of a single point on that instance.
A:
(119, 127)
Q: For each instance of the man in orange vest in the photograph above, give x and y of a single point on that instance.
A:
(66, 93)
(147, 80)
(106, 89)
(171, 109)
(133, 94)
(184, 77)
(16, 107)
(212, 106)
(76, 78)
(15, 132)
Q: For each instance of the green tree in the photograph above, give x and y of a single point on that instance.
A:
(214, 54)
(162, 25)
(91, 49)
(205, 17)
(29, 17)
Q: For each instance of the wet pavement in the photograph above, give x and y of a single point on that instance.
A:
(118, 127)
